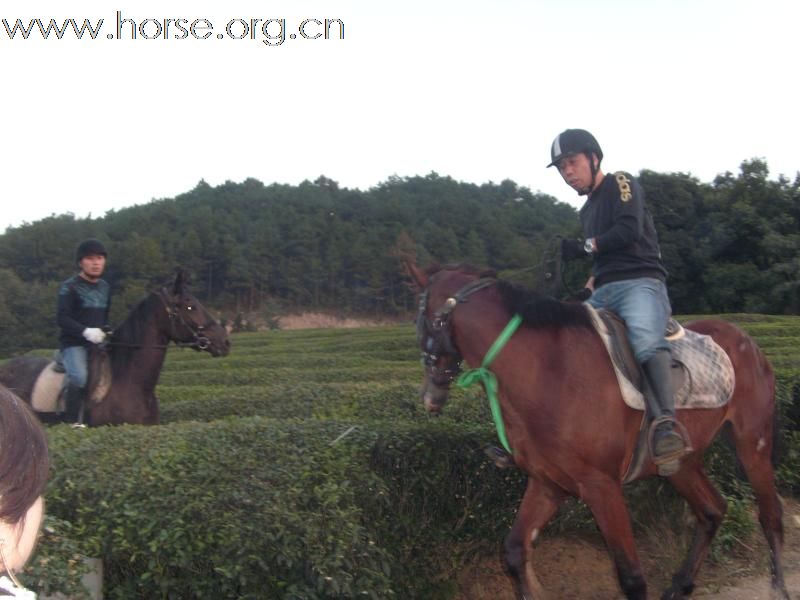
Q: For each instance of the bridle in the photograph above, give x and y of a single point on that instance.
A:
(434, 334)
(176, 319)
(200, 341)
(435, 338)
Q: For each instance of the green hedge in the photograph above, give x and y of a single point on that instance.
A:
(237, 509)
(253, 508)
(397, 400)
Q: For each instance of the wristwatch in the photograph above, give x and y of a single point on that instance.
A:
(588, 245)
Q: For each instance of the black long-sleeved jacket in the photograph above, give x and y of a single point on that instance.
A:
(81, 304)
(627, 244)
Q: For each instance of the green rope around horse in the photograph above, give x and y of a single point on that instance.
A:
(485, 376)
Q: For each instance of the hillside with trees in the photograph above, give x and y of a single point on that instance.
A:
(730, 245)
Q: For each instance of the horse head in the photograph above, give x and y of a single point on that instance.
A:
(190, 324)
(440, 290)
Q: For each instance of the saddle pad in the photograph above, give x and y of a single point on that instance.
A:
(47, 389)
(709, 380)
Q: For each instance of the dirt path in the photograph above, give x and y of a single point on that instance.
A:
(580, 569)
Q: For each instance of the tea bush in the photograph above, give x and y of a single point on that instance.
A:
(256, 508)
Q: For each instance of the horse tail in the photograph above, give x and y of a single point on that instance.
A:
(777, 438)
(777, 412)
(768, 376)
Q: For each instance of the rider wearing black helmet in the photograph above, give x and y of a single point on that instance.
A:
(84, 301)
(628, 275)
(577, 141)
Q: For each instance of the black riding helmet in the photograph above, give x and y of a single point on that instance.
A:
(90, 247)
(576, 141)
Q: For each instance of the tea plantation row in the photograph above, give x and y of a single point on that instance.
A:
(303, 466)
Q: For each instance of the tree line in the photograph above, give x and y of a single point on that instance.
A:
(730, 245)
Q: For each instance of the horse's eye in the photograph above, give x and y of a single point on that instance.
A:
(189, 307)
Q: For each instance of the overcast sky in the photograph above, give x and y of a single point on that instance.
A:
(473, 90)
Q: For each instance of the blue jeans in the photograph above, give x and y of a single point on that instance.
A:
(75, 359)
(644, 306)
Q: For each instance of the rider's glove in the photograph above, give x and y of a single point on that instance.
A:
(571, 249)
(94, 335)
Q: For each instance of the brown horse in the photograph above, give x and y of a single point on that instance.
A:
(137, 349)
(572, 433)
(24, 469)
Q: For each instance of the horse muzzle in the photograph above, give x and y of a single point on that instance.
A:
(221, 348)
(434, 397)
(215, 342)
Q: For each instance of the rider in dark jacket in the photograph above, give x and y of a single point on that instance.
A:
(628, 275)
(84, 301)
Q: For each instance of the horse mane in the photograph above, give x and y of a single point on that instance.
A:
(462, 267)
(24, 460)
(538, 311)
(131, 329)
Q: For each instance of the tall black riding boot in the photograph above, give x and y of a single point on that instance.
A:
(667, 442)
(74, 400)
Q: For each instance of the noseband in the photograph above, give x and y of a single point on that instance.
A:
(434, 334)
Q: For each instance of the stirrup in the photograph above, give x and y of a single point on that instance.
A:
(674, 330)
(668, 464)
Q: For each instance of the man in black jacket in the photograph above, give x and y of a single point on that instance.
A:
(84, 301)
(628, 275)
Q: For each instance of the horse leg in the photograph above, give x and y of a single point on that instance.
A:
(709, 508)
(754, 452)
(607, 503)
(539, 504)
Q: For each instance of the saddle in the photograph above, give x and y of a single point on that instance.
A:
(702, 373)
(48, 395)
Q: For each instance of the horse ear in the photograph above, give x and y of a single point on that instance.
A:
(416, 274)
(181, 281)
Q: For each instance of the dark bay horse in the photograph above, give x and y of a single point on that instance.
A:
(137, 349)
(572, 433)
(24, 468)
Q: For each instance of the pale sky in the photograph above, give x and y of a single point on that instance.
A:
(473, 90)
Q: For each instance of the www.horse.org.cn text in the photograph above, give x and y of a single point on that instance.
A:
(271, 32)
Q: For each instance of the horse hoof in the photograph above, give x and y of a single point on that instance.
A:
(779, 593)
(674, 593)
(500, 458)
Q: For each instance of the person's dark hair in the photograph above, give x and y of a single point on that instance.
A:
(24, 460)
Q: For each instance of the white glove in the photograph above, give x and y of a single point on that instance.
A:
(94, 335)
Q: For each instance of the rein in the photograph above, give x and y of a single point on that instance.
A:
(551, 279)
(489, 380)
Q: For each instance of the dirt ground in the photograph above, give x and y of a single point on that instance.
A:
(580, 569)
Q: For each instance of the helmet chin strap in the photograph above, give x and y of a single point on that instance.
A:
(594, 168)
